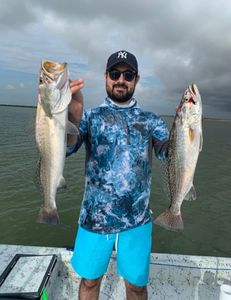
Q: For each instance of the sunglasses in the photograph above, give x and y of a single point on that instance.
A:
(129, 75)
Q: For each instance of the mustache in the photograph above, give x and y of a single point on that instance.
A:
(120, 85)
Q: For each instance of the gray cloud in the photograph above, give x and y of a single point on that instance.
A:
(15, 14)
(176, 43)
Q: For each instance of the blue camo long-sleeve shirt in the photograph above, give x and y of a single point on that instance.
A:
(119, 144)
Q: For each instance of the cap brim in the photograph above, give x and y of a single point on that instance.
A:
(119, 62)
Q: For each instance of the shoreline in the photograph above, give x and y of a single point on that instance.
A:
(18, 105)
(168, 116)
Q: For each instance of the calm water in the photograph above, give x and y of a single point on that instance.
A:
(207, 220)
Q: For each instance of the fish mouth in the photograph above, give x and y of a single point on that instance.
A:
(192, 89)
(52, 67)
(50, 71)
(191, 101)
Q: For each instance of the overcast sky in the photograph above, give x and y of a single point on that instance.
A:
(176, 42)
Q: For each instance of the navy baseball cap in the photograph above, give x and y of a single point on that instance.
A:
(122, 56)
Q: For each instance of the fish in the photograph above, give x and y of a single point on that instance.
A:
(185, 144)
(51, 128)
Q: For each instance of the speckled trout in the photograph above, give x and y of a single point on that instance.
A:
(51, 129)
(185, 144)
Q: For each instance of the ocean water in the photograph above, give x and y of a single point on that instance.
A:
(207, 220)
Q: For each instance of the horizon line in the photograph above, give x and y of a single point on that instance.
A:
(163, 115)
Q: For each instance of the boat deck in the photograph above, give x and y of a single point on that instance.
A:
(175, 277)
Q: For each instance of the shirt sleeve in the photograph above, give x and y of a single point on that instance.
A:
(160, 139)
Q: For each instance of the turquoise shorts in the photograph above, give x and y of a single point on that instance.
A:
(93, 251)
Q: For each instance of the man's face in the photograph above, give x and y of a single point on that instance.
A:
(119, 89)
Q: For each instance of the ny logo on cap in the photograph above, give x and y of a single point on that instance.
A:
(122, 54)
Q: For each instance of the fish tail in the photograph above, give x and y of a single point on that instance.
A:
(48, 216)
(169, 221)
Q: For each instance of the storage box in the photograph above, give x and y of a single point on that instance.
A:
(27, 276)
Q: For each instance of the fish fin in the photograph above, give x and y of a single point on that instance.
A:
(191, 134)
(191, 195)
(169, 221)
(72, 129)
(62, 183)
(48, 216)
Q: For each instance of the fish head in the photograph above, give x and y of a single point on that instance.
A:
(190, 107)
(54, 90)
(52, 73)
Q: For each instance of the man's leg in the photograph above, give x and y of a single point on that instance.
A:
(134, 292)
(90, 260)
(133, 259)
(89, 289)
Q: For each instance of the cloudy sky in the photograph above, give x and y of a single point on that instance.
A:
(176, 42)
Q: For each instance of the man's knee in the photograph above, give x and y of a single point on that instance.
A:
(139, 290)
(91, 283)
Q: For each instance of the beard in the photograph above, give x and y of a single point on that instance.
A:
(120, 97)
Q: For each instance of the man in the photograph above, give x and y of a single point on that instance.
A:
(119, 138)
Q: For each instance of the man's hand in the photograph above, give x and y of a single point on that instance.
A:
(76, 86)
(75, 108)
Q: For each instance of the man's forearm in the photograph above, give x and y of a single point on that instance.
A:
(75, 111)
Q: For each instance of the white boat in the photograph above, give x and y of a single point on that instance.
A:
(175, 277)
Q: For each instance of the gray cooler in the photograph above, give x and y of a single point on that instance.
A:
(28, 277)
